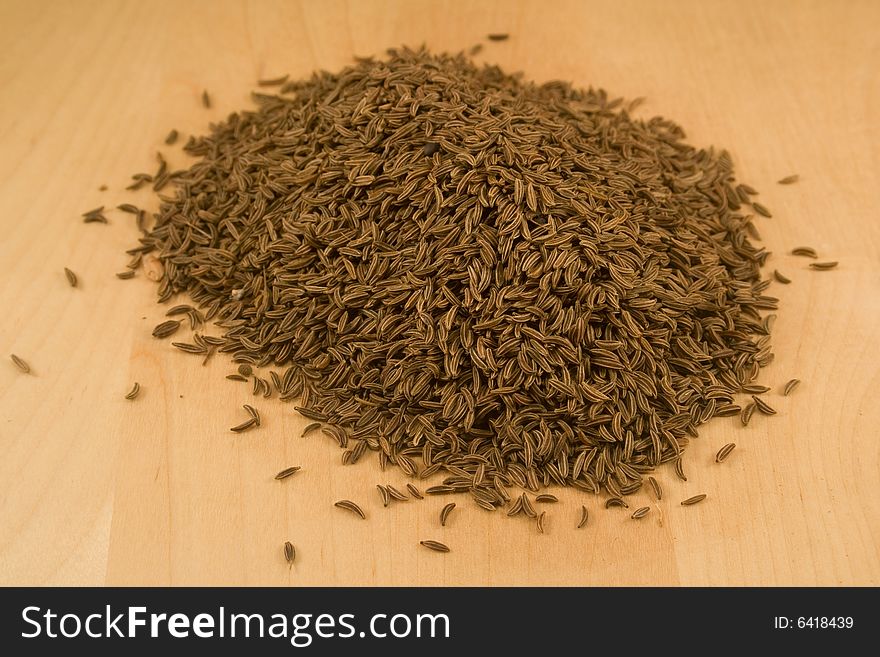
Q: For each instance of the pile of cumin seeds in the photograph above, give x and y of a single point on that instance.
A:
(514, 284)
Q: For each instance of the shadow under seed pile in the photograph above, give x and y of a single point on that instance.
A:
(517, 284)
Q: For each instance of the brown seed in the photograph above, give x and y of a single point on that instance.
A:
(779, 277)
(125, 274)
(679, 469)
(395, 494)
(823, 266)
(790, 387)
(436, 546)
(253, 413)
(546, 498)
(444, 513)
(527, 507)
(641, 512)
(273, 82)
(386, 498)
(516, 507)
(311, 427)
(134, 391)
(615, 501)
(206, 100)
(761, 210)
(310, 414)
(20, 364)
(747, 413)
(245, 370)
(763, 406)
(289, 552)
(540, 521)
(244, 426)
(413, 490)
(753, 389)
(585, 515)
(439, 490)
(430, 316)
(166, 329)
(499, 37)
(655, 487)
(348, 505)
(284, 474)
(789, 179)
(805, 251)
(724, 452)
(71, 277)
(190, 348)
(236, 377)
(694, 500)
(171, 138)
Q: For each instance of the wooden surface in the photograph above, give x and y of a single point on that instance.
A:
(98, 490)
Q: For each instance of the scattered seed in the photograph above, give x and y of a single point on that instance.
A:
(412, 490)
(348, 505)
(747, 413)
(754, 389)
(71, 277)
(540, 521)
(763, 406)
(823, 266)
(310, 414)
(527, 507)
(546, 497)
(273, 82)
(386, 498)
(788, 180)
(253, 413)
(20, 364)
(314, 426)
(790, 387)
(805, 251)
(694, 500)
(134, 391)
(585, 515)
(779, 277)
(206, 100)
(245, 370)
(761, 210)
(444, 514)
(284, 474)
(190, 348)
(499, 37)
(679, 469)
(615, 501)
(166, 329)
(436, 546)
(641, 512)
(655, 487)
(171, 138)
(395, 494)
(724, 452)
(124, 275)
(244, 426)
(289, 552)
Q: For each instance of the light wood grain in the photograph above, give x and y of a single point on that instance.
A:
(95, 489)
